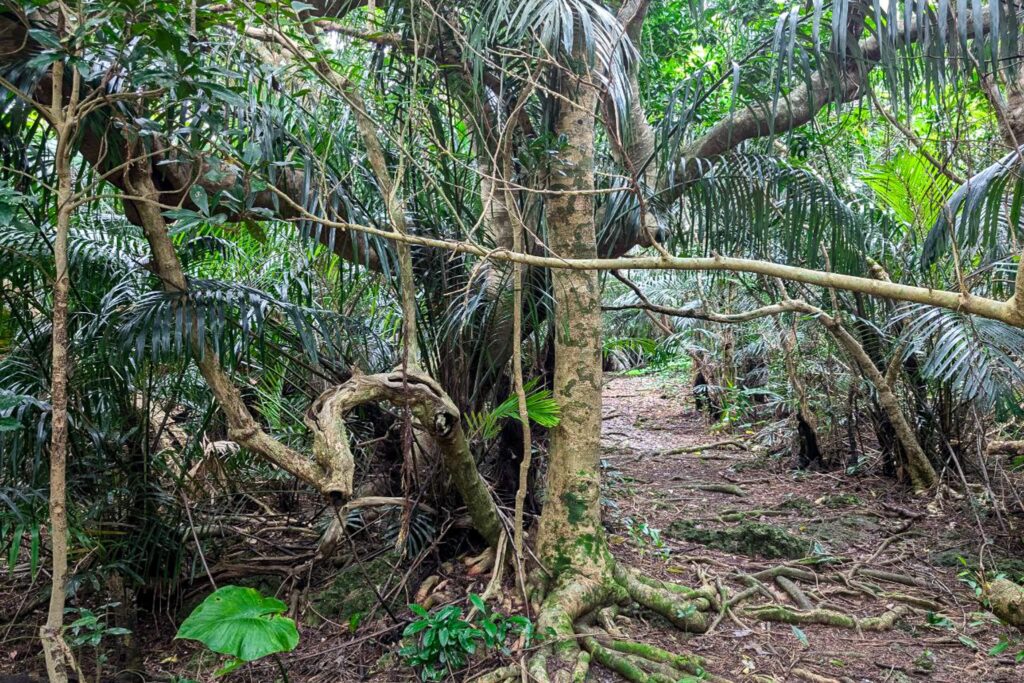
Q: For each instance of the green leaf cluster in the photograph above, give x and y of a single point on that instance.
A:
(441, 643)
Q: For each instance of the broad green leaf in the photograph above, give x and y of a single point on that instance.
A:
(240, 622)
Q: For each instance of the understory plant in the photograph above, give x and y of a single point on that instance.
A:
(441, 643)
(242, 624)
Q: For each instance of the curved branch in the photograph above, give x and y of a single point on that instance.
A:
(242, 427)
(826, 86)
(433, 409)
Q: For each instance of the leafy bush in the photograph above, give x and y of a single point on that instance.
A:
(444, 640)
(241, 623)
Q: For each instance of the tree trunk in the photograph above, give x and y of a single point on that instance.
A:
(808, 452)
(55, 650)
(919, 468)
(572, 507)
(581, 574)
(571, 544)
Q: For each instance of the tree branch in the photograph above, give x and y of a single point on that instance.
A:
(798, 108)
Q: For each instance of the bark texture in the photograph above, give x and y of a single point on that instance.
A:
(433, 411)
(1007, 600)
(56, 652)
(571, 544)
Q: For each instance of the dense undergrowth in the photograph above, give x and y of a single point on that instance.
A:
(236, 219)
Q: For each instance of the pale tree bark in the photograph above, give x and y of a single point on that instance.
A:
(432, 409)
(571, 541)
(579, 573)
(919, 469)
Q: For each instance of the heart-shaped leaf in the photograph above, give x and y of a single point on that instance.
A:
(240, 622)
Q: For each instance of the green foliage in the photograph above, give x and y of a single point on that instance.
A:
(983, 215)
(978, 358)
(240, 623)
(647, 370)
(89, 629)
(764, 207)
(440, 643)
(977, 579)
(911, 187)
(541, 408)
(1005, 643)
(646, 537)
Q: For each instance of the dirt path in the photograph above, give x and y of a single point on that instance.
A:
(679, 533)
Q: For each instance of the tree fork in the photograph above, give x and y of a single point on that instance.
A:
(332, 469)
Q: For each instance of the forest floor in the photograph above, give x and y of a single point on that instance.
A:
(693, 536)
(713, 515)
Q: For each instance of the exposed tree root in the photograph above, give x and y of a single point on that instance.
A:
(705, 447)
(740, 515)
(826, 617)
(639, 662)
(692, 664)
(480, 564)
(914, 601)
(794, 592)
(499, 675)
(880, 575)
(811, 677)
(685, 608)
(731, 489)
(570, 615)
(1005, 447)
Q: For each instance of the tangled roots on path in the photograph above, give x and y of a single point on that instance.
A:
(569, 611)
(577, 618)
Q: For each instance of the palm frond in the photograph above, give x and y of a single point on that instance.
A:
(911, 187)
(982, 217)
(980, 358)
(762, 207)
(541, 408)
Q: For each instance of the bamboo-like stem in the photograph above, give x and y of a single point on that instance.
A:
(524, 417)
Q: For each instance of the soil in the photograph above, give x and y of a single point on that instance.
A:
(750, 513)
(841, 519)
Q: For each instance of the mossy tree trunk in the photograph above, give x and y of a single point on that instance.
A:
(571, 543)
